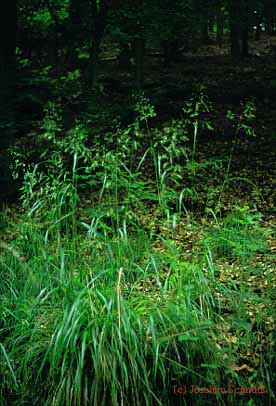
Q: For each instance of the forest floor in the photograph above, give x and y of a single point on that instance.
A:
(229, 228)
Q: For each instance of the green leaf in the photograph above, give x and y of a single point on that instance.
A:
(9, 364)
(187, 337)
(211, 366)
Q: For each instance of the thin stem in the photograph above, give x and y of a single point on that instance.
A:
(226, 177)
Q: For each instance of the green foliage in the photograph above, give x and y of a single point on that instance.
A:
(111, 327)
(68, 85)
(40, 16)
(21, 61)
(144, 110)
(195, 113)
(170, 143)
(239, 236)
(244, 121)
(103, 300)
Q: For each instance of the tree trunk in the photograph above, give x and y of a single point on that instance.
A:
(246, 21)
(235, 42)
(124, 58)
(244, 47)
(75, 30)
(8, 23)
(235, 30)
(93, 65)
(269, 14)
(57, 30)
(212, 23)
(139, 47)
(258, 32)
(171, 51)
(166, 45)
(220, 25)
(204, 31)
(98, 25)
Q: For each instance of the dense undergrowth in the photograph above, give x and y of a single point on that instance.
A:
(117, 286)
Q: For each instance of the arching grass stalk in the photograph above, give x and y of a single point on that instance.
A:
(9, 365)
(242, 124)
(195, 138)
(193, 110)
(226, 176)
(74, 198)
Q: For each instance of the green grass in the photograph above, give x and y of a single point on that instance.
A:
(106, 335)
(108, 318)
(106, 338)
(115, 296)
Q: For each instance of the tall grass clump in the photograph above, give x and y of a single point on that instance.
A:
(93, 330)
(108, 342)
(240, 235)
